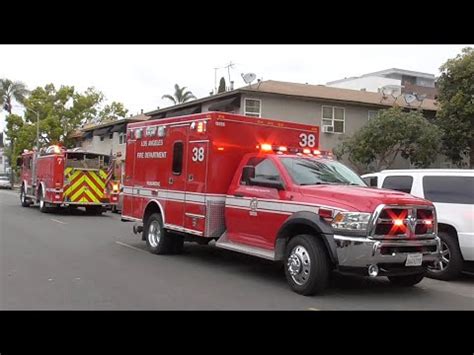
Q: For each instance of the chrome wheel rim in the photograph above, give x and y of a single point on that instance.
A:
(441, 265)
(154, 234)
(299, 265)
(22, 196)
(41, 202)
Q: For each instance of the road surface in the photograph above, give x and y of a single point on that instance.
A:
(77, 261)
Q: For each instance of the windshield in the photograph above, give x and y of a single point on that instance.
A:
(309, 171)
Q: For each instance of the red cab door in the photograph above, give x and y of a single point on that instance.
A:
(254, 214)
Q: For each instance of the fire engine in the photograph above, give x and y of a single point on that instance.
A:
(261, 187)
(58, 177)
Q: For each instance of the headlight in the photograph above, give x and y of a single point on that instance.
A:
(351, 222)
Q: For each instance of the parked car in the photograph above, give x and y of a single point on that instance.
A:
(5, 182)
(452, 192)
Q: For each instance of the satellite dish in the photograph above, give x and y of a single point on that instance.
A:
(249, 77)
(409, 98)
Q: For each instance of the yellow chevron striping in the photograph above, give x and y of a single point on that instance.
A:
(103, 174)
(97, 179)
(76, 196)
(74, 186)
(92, 197)
(92, 186)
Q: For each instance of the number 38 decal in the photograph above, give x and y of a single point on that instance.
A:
(198, 154)
(307, 140)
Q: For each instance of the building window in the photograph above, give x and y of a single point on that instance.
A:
(121, 138)
(1, 160)
(334, 117)
(102, 138)
(372, 114)
(111, 135)
(253, 107)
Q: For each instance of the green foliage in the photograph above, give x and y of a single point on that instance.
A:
(113, 112)
(11, 90)
(180, 95)
(221, 85)
(456, 114)
(390, 134)
(60, 112)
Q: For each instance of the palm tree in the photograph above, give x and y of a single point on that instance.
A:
(11, 90)
(180, 95)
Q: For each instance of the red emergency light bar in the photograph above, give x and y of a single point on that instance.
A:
(266, 147)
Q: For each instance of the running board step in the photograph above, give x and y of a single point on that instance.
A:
(224, 243)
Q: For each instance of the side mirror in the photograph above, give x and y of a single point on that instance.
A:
(267, 183)
(248, 172)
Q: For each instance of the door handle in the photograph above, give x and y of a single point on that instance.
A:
(238, 195)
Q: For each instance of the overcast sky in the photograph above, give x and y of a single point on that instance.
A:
(138, 75)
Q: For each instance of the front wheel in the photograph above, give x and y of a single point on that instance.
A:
(406, 280)
(43, 205)
(307, 265)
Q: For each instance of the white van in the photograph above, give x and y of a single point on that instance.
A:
(452, 192)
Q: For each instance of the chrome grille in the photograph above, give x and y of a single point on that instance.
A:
(403, 222)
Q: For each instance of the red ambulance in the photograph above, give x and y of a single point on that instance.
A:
(261, 187)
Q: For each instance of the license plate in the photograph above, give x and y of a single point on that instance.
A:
(414, 259)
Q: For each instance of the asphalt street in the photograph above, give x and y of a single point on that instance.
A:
(76, 261)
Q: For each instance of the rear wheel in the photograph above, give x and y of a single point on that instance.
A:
(94, 210)
(451, 262)
(307, 265)
(24, 201)
(43, 205)
(406, 280)
(157, 239)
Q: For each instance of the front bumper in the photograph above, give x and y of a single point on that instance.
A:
(356, 254)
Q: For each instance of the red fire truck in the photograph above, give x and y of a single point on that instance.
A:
(259, 186)
(55, 177)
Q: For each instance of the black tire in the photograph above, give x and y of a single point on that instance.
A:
(406, 280)
(43, 206)
(158, 241)
(94, 210)
(451, 251)
(306, 257)
(24, 201)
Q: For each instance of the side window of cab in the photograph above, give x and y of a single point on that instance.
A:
(264, 169)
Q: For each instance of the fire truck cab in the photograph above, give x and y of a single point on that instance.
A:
(261, 187)
(57, 177)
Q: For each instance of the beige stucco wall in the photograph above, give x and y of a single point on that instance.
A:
(310, 112)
